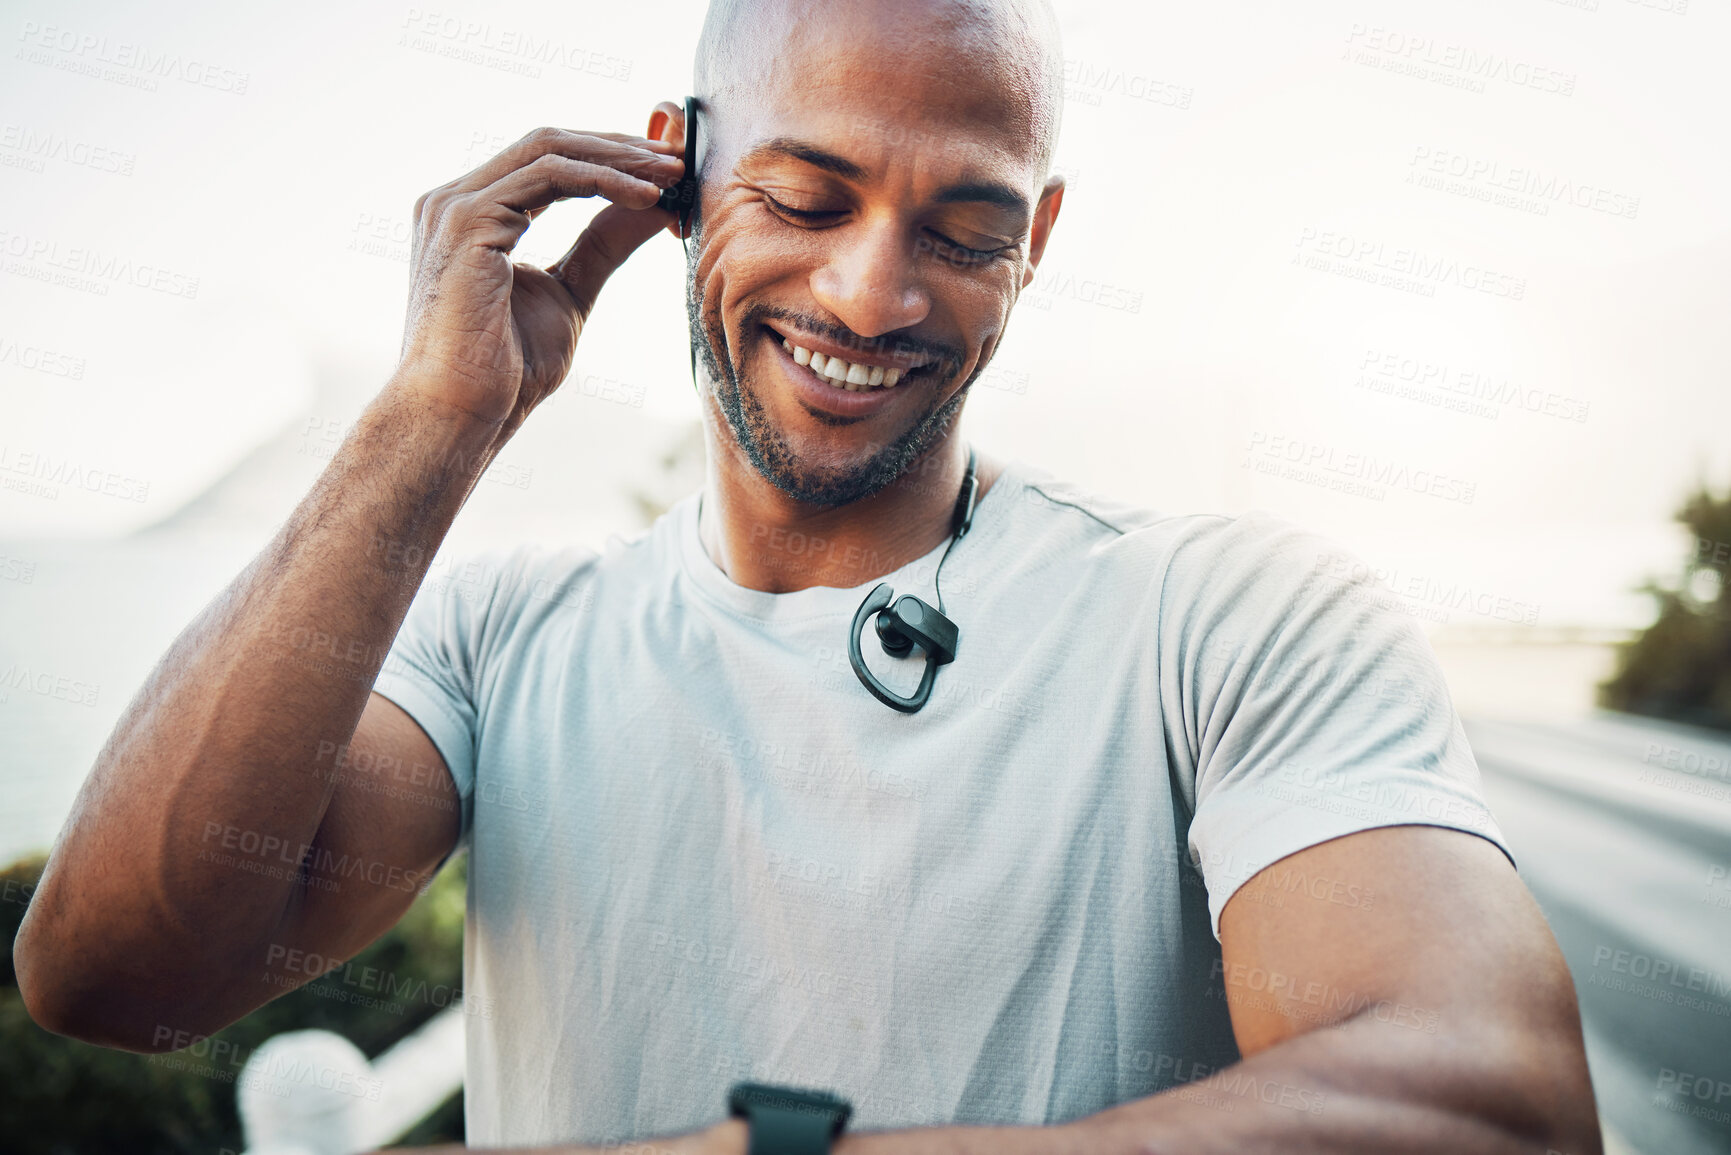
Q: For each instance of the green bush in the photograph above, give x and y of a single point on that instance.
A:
(1680, 667)
(59, 1096)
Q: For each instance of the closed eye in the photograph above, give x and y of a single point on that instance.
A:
(961, 254)
(809, 215)
(943, 247)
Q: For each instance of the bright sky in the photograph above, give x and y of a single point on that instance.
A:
(1296, 234)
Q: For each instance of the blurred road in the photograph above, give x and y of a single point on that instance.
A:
(1622, 829)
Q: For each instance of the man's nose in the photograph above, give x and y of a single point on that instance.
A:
(871, 282)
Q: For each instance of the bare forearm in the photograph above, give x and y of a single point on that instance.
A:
(1357, 1088)
(1443, 1020)
(725, 1138)
(184, 844)
(1352, 1089)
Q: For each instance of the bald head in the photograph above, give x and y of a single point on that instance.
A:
(1003, 54)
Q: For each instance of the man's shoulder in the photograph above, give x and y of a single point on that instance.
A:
(514, 579)
(1254, 572)
(1034, 490)
(1196, 539)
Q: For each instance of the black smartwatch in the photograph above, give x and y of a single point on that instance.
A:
(787, 1120)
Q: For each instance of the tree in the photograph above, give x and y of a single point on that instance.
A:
(1680, 666)
(60, 1096)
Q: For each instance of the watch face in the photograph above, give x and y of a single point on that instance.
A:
(746, 1097)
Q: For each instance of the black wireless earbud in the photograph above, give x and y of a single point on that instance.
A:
(911, 622)
(906, 622)
(681, 199)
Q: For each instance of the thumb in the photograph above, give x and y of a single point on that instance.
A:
(613, 235)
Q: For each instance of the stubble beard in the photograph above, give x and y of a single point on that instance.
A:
(765, 446)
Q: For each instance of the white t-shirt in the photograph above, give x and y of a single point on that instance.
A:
(700, 851)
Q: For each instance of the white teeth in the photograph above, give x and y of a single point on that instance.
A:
(843, 374)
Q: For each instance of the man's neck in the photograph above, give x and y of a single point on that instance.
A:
(764, 540)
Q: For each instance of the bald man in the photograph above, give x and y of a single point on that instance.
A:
(1184, 851)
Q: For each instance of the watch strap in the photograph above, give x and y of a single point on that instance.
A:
(788, 1120)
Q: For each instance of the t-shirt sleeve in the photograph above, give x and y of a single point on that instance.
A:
(1308, 703)
(435, 667)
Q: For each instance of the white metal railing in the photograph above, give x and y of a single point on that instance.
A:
(314, 1093)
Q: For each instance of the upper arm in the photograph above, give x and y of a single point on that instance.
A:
(1375, 938)
(1424, 942)
(406, 781)
(393, 818)
(1308, 708)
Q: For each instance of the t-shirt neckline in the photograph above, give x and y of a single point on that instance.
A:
(700, 570)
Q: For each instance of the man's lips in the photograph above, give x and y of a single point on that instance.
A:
(849, 369)
(823, 395)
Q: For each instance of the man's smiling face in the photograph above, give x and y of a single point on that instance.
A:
(872, 194)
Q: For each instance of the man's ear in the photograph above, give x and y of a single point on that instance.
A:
(1045, 216)
(667, 123)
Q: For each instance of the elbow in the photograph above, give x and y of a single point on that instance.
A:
(1571, 1120)
(1541, 1093)
(1568, 1123)
(46, 1003)
(101, 1018)
(65, 995)
(55, 990)
(46, 981)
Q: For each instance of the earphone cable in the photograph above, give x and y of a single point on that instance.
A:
(967, 522)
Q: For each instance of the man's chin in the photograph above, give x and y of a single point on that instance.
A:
(816, 457)
(836, 469)
(808, 458)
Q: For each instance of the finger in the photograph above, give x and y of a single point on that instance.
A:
(541, 141)
(550, 178)
(662, 181)
(614, 234)
(619, 150)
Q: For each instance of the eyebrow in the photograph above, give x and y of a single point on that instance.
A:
(973, 192)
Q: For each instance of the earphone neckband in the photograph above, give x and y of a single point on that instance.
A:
(910, 622)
